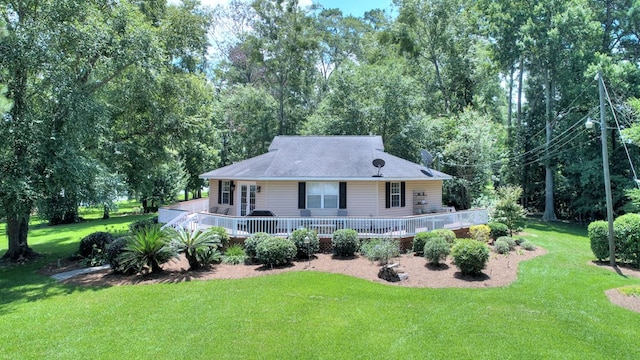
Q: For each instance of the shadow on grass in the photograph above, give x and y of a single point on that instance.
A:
(22, 284)
(557, 226)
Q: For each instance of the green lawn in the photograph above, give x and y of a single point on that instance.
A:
(556, 309)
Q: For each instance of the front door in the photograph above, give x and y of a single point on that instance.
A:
(247, 199)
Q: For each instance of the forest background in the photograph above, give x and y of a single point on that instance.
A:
(102, 98)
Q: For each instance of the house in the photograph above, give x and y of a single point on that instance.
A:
(327, 182)
(324, 174)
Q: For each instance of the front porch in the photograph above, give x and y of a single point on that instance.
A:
(193, 214)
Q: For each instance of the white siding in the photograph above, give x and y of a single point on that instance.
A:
(364, 198)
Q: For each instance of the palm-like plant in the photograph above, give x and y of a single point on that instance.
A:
(147, 247)
(200, 247)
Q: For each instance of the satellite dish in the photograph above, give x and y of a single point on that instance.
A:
(378, 163)
(427, 158)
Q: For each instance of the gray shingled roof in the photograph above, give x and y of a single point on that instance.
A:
(323, 158)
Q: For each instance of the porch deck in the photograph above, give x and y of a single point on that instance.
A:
(400, 227)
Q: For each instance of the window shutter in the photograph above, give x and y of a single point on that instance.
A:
(342, 195)
(402, 194)
(230, 192)
(387, 194)
(302, 195)
(219, 191)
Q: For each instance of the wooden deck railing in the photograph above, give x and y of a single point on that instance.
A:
(241, 227)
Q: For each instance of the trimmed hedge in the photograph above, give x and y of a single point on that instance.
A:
(273, 251)
(480, 233)
(436, 250)
(447, 234)
(112, 253)
(345, 242)
(419, 240)
(501, 246)
(300, 238)
(627, 232)
(470, 256)
(598, 232)
(498, 229)
(251, 243)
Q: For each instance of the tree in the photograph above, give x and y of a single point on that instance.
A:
(507, 210)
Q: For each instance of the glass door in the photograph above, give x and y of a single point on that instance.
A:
(247, 198)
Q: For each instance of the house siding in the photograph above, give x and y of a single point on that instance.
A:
(433, 189)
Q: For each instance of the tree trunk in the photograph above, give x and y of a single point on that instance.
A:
(510, 106)
(549, 211)
(186, 194)
(520, 80)
(17, 229)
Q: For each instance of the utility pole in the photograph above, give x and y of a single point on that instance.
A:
(605, 165)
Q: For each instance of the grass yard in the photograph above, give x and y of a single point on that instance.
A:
(556, 309)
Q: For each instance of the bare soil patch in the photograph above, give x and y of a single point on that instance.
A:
(630, 302)
(501, 270)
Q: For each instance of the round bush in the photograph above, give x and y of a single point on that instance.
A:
(275, 251)
(419, 240)
(306, 241)
(598, 236)
(501, 246)
(470, 256)
(113, 251)
(100, 239)
(528, 245)
(498, 229)
(447, 234)
(436, 250)
(480, 232)
(344, 242)
(509, 240)
(251, 243)
(381, 250)
(627, 233)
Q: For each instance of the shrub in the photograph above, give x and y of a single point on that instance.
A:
(141, 224)
(509, 240)
(501, 246)
(200, 247)
(222, 235)
(252, 242)
(419, 240)
(436, 250)
(528, 245)
(598, 232)
(470, 256)
(498, 229)
(147, 247)
(447, 234)
(112, 253)
(480, 233)
(507, 209)
(275, 251)
(91, 243)
(306, 241)
(344, 242)
(627, 232)
(381, 250)
(234, 255)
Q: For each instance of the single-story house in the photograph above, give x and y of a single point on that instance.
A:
(326, 176)
(324, 183)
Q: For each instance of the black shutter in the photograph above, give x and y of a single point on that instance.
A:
(219, 191)
(402, 194)
(387, 194)
(231, 193)
(302, 195)
(343, 195)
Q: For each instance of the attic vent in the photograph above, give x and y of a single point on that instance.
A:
(378, 163)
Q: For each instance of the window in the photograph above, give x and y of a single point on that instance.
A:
(225, 192)
(395, 194)
(321, 195)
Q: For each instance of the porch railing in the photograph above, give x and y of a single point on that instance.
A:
(325, 226)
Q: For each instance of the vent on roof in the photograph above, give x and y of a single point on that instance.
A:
(378, 163)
